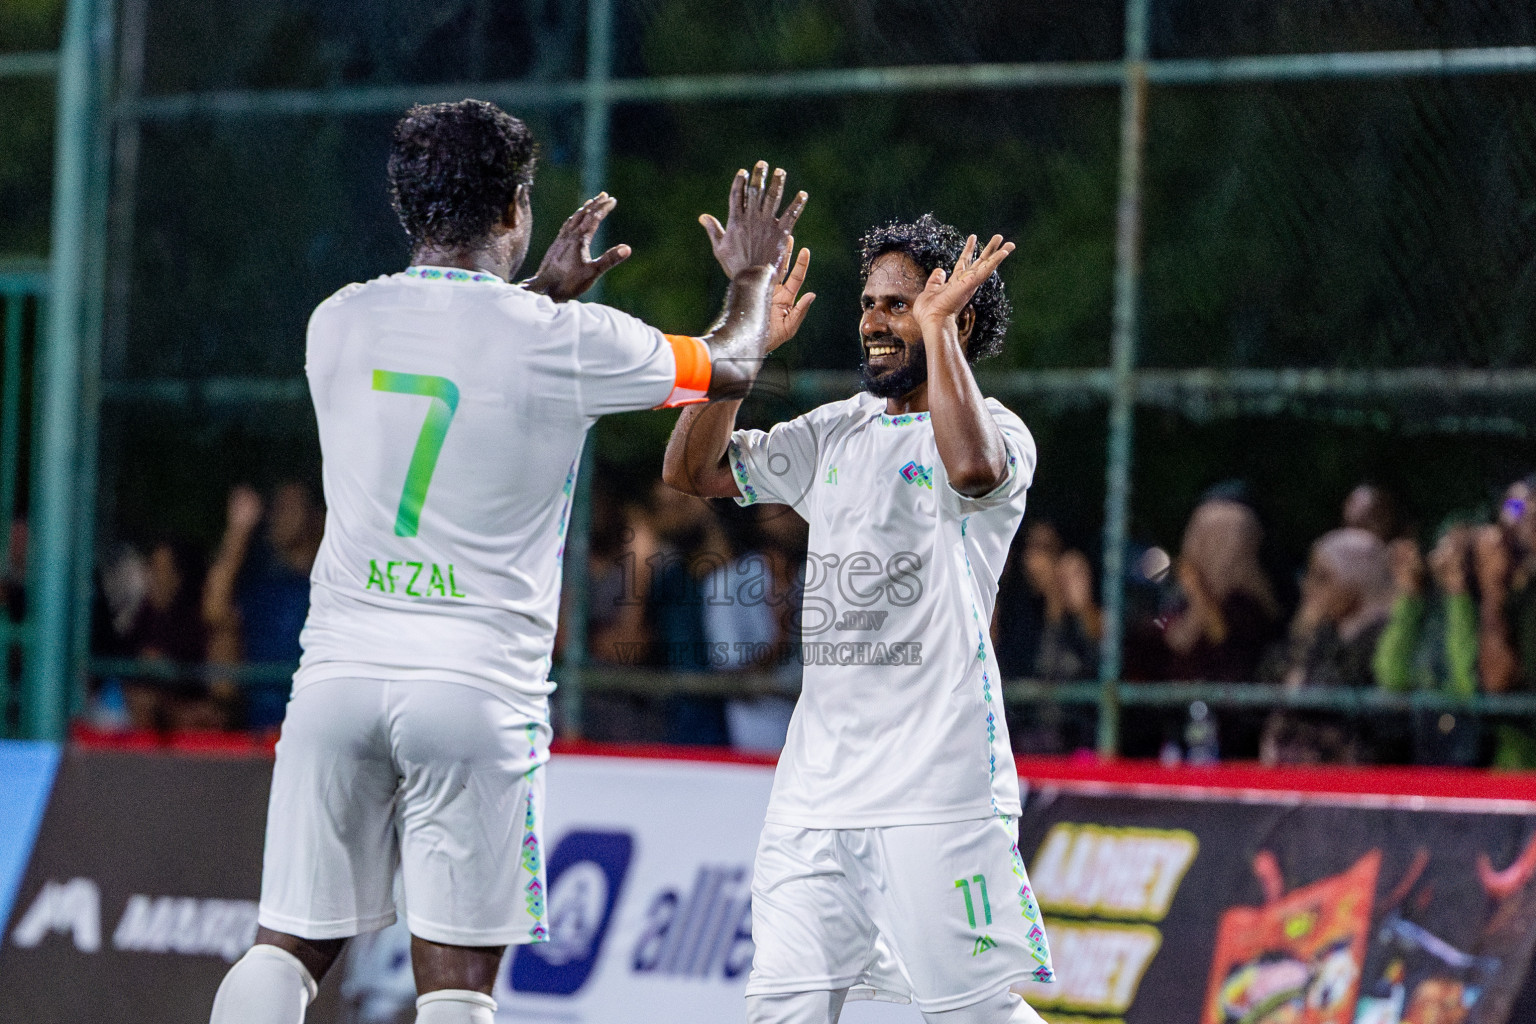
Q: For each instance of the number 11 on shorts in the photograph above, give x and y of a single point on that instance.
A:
(429, 443)
(964, 886)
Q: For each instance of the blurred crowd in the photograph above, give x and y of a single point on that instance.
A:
(201, 625)
(1371, 608)
(685, 587)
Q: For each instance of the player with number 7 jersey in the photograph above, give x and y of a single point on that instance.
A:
(452, 407)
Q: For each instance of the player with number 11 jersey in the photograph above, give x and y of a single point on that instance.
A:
(889, 866)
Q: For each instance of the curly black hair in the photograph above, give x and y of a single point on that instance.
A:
(932, 244)
(454, 168)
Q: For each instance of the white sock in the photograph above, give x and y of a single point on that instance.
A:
(455, 1006)
(266, 986)
(822, 1007)
(1007, 1007)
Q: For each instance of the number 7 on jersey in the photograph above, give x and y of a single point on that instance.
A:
(434, 431)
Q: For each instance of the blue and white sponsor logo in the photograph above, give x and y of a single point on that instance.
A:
(705, 932)
(586, 874)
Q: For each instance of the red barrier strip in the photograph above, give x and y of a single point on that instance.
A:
(1073, 772)
(1427, 783)
(216, 744)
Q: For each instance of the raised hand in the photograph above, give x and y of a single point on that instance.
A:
(568, 269)
(788, 313)
(754, 235)
(946, 294)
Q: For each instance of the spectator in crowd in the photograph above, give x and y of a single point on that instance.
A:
(621, 548)
(784, 535)
(692, 546)
(1046, 626)
(1506, 568)
(742, 599)
(1230, 616)
(1224, 618)
(124, 582)
(257, 594)
(1372, 508)
(1430, 642)
(1346, 597)
(619, 568)
(168, 627)
(1504, 557)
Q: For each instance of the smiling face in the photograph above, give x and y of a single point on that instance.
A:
(894, 362)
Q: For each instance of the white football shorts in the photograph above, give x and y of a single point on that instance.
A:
(939, 915)
(440, 779)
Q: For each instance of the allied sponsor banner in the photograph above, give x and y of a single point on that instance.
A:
(1197, 897)
(650, 868)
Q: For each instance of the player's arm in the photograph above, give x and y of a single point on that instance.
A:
(697, 453)
(622, 364)
(969, 441)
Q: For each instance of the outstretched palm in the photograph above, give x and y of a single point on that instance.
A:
(568, 269)
(945, 295)
(788, 312)
(755, 234)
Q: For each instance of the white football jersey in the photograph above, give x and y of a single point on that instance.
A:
(452, 409)
(900, 719)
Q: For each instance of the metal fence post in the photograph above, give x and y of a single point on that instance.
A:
(1122, 407)
(46, 679)
(594, 176)
(92, 318)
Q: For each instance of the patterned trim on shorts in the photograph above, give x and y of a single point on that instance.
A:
(1039, 946)
(532, 855)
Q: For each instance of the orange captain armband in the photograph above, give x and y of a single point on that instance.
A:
(691, 384)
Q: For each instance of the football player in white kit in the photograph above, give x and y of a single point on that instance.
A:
(452, 406)
(889, 865)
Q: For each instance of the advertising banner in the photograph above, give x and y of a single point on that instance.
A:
(1171, 898)
(650, 872)
(140, 890)
(1207, 906)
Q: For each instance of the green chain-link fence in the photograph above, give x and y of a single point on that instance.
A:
(1292, 241)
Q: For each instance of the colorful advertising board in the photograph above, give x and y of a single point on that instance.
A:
(1220, 896)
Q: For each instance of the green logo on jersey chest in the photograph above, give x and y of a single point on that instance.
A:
(413, 579)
